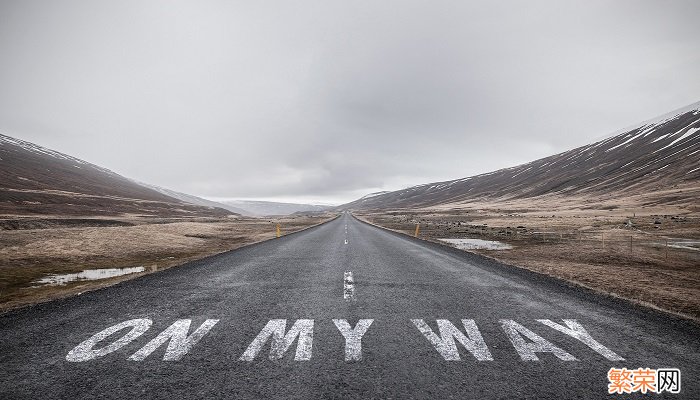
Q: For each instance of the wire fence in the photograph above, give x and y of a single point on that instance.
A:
(619, 241)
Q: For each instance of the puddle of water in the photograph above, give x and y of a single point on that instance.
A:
(87, 275)
(477, 244)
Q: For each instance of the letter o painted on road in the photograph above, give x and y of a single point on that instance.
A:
(85, 351)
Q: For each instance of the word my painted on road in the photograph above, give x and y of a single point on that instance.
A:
(277, 339)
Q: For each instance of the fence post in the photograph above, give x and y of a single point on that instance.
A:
(667, 249)
(417, 230)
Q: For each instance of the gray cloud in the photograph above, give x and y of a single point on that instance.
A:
(330, 100)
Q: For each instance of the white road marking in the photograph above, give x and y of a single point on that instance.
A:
(179, 343)
(525, 342)
(575, 330)
(302, 328)
(85, 351)
(445, 343)
(527, 351)
(348, 286)
(353, 337)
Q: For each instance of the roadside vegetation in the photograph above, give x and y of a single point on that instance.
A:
(35, 248)
(651, 257)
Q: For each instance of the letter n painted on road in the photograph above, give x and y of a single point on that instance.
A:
(180, 344)
(85, 351)
(445, 343)
(302, 328)
(538, 344)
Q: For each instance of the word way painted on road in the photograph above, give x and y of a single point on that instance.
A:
(279, 338)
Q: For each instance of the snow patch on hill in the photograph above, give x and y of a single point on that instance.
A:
(36, 149)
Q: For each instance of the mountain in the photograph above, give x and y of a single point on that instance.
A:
(37, 180)
(188, 198)
(660, 156)
(265, 208)
(375, 194)
(365, 200)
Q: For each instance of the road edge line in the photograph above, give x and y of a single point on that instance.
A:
(639, 305)
(127, 278)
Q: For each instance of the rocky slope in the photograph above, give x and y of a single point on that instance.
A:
(657, 156)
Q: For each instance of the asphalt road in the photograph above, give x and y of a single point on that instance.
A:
(310, 278)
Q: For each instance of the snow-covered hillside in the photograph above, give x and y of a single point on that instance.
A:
(7, 142)
(188, 198)
(264, 208)
(38, 180)
(658, 154)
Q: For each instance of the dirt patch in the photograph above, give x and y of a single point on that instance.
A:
(27, 255)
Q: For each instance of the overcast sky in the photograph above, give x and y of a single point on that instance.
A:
(330, 100)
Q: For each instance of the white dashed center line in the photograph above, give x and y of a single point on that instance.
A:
(348, 286)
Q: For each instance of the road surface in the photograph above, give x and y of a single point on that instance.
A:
(342, 310)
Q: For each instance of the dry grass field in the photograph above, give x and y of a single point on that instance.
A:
(650, 256)
(32, 248)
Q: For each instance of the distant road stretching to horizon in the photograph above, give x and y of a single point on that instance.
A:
(341, 310)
